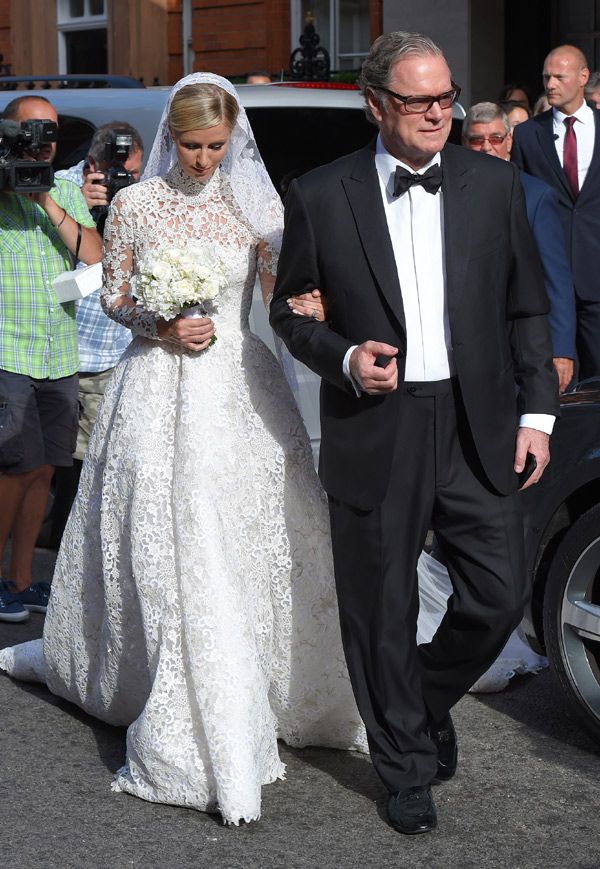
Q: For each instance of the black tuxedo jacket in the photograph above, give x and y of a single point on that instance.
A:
(534, 151)
(336, 238)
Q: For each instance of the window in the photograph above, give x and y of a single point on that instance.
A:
(73, 142)
(82, 38)
(342, 25)
(579, 24)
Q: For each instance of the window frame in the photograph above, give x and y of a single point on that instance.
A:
(66, 23)
(335, 55)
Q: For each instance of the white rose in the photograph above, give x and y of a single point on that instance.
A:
(201, 272)
(184, 290)
(210, 288)
(187, 262)
(161, 270)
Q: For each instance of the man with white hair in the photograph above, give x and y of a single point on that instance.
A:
(592, 89)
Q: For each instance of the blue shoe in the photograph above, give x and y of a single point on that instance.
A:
(34, 598)
(11, 608)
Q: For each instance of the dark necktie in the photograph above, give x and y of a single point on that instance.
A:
(570, 157)
(431, 180)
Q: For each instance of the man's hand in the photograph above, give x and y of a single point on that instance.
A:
(530, 440)
(374, 379)
(40, 198)
(193, 333)
(564, 369)
(94, 194)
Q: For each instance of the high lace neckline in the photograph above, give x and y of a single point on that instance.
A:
(193, 191)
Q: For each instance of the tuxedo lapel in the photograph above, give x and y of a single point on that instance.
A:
(545, 135)
(364, 197)
(457, 216)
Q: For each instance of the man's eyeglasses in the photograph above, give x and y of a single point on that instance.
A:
(421, 104)
(494, 139)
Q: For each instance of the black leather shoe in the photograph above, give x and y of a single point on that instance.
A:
(412, 811)
(443, 736)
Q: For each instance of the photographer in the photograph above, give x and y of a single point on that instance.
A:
(38, 351)
(114, 161)
(101, 340)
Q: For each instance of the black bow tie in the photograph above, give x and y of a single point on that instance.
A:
(431, 180)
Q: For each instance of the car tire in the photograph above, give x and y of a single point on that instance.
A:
(572, 619)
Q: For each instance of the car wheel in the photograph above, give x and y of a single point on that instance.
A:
(572, 619)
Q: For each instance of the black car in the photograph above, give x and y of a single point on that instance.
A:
(562, 540)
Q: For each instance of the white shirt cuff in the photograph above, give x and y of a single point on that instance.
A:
(540, 421)
(346, 370)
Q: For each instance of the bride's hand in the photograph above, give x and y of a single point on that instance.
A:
(193, 333)
(313, 304)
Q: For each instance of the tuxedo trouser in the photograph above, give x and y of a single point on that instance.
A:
(436, 482)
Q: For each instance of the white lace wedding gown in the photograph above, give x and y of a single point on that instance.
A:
(193, 598)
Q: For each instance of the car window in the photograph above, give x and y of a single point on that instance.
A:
(292, 137)
(293, 140)
(75, 135)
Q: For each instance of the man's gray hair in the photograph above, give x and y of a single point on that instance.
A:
(593, 83)
(384, 53)
(102, 135)
(485, 113)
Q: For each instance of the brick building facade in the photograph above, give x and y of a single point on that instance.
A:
(160, 40)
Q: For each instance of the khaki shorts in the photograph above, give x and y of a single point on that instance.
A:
(91, 391)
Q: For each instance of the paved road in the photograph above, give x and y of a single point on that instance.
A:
(526, 795)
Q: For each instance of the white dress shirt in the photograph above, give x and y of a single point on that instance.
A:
(416, 224)
(585, 132)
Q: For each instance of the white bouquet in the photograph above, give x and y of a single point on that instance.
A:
(173, 280)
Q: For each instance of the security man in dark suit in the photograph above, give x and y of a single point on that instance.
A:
(562, 147)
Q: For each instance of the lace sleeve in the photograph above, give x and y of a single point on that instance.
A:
(117, 268)
(268, 250)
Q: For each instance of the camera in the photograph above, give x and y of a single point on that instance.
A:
(116, 177)
(21, 175)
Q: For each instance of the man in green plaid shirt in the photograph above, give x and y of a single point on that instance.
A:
(38, 359)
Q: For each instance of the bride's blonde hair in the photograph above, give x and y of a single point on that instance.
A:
(198, 106)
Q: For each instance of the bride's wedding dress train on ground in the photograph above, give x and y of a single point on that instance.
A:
(434, 589)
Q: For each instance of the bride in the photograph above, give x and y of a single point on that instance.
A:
(193, 597)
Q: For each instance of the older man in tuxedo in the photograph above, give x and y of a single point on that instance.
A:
(436, 308)
(562, 148)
